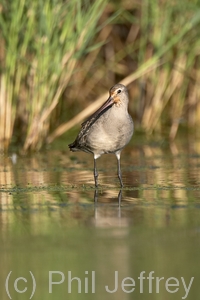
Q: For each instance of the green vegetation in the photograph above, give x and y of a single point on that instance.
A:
(56, 56)
(42, 44)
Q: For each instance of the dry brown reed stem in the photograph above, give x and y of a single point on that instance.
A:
(95, 105)
(55, 49)
(41, 48)
(155, 106)
(193, 102)
(88, 64)
(40, 123)
(2, 110)
(177, 102)
(169, 82)
(6, 114)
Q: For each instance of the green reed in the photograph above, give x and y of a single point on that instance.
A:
(169, 33)
(84, 47)
(42, 43)
(152, 46)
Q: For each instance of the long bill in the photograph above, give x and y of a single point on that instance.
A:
(109, 102)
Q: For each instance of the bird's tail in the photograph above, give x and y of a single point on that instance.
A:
(72, 146)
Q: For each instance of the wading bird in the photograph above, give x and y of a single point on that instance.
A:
(108, 130)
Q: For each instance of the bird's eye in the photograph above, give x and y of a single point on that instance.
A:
(119, 91)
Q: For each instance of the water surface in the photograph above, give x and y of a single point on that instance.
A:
(52, 220)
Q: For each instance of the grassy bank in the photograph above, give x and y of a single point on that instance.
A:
(58, 57)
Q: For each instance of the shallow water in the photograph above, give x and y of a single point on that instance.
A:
(53, 220)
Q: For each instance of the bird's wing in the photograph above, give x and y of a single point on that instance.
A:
(86, 124)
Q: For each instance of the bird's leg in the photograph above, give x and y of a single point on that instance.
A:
(120, 197)
(119, 172)
(95, 173)
(119, 168)
(95, 196)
